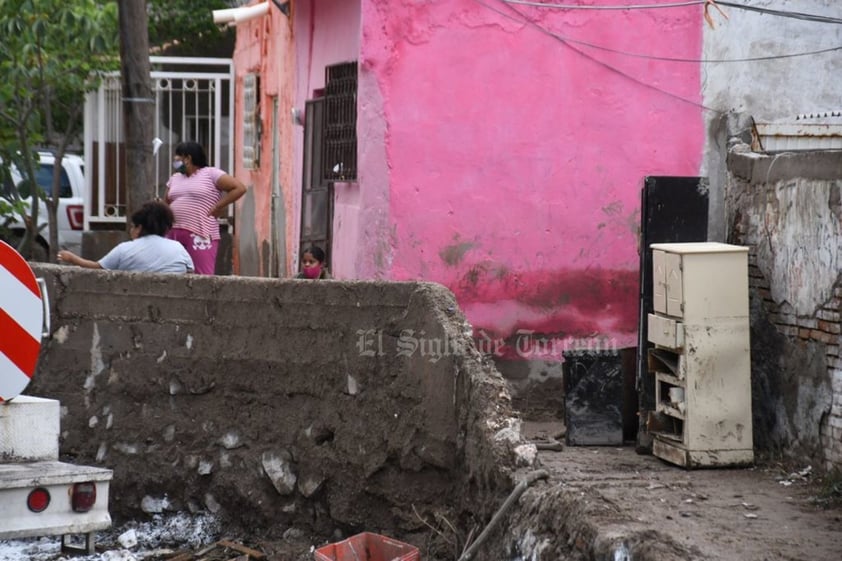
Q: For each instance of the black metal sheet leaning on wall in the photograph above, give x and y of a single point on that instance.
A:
(593, 398)
(672, 209)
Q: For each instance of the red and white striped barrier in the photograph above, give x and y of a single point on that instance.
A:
(21, 322)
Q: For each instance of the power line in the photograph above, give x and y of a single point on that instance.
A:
(695, 60)
(663, 58)
(524, 19)
(629, 7)
(767, 11)
(782, 13)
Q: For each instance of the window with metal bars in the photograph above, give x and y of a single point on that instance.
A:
(339, 141)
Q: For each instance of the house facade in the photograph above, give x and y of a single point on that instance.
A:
(494, 154)
(499, 147)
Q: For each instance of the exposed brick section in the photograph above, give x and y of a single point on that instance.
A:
(829, 326)
(817, 335)
(825, 328)
(811, 323)
(828, 315)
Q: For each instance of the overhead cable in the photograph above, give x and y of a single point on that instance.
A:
(782, 13)
(628, 7)
(675, 59)
(767, 11)
(695, 60)
(524, 19)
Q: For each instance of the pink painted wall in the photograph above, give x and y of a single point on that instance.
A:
(264, 46)
(493, 157)
(507, 164)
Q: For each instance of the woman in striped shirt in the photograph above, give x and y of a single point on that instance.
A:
(198, 194)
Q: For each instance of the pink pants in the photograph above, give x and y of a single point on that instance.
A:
(201, 249)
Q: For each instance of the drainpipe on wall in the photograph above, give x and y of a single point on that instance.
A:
(241, 14)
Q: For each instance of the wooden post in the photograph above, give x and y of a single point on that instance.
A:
(138, 103)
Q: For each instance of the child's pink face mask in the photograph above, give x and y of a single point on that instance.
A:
(312, 272)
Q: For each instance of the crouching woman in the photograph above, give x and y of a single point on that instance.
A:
(148, 250)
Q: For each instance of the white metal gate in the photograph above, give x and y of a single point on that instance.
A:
(194, 100)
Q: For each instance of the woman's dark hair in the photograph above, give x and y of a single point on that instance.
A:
(317, 253)
(194, 150)
(154, 218)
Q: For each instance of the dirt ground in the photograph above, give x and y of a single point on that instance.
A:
(768, 512)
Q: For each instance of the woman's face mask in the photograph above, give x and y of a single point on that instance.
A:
(312, 272)
(179, 167)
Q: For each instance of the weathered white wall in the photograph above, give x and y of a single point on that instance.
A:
(788, 208)
(798, 243)
(772, 90)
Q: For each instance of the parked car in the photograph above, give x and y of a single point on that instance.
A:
(71, 209)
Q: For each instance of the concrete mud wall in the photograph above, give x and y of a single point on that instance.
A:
(349, 405)
(786, 208)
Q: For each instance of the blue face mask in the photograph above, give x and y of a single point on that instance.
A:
(179, 167)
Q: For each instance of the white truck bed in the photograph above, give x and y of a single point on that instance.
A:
(17, 480)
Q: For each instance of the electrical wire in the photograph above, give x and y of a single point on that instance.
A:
(695, 60)
(524, 19)
(767, 11)
(666, 58)
(782, 13)
(629, 7)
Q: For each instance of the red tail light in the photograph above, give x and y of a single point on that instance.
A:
(76, 216)
(38, 500)
(83, 497)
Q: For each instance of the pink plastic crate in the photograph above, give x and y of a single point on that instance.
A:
(368, 547)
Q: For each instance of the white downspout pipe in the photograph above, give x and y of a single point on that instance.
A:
(241, 14)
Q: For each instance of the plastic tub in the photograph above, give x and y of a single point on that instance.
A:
(368, 547)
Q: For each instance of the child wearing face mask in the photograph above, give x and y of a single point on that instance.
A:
(313, 264)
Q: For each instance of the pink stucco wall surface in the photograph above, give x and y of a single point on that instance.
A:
(264, 47)
(512, 161)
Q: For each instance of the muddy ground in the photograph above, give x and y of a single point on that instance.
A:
(596, 496)
(767, 512)
(601, 495)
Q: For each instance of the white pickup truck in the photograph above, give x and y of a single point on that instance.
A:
(39, 495)
(71, 209)
(42, 496)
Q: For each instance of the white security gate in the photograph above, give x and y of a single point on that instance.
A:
(194, 100)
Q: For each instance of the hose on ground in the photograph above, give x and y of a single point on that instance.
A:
(498, 516)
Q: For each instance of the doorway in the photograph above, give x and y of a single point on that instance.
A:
(316, 190)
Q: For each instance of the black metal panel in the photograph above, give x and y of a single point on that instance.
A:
(672, 209)
(316, 192)
(593, 399)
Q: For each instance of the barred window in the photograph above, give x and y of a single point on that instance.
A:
(339, 144)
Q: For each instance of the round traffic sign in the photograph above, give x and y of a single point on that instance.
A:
(21, 321)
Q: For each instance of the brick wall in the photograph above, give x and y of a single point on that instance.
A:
(786, 208)
(825, 329)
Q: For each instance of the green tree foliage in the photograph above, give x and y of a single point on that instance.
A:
(186, 28)
(53, 52)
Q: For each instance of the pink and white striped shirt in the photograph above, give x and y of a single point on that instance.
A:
(192, 198)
